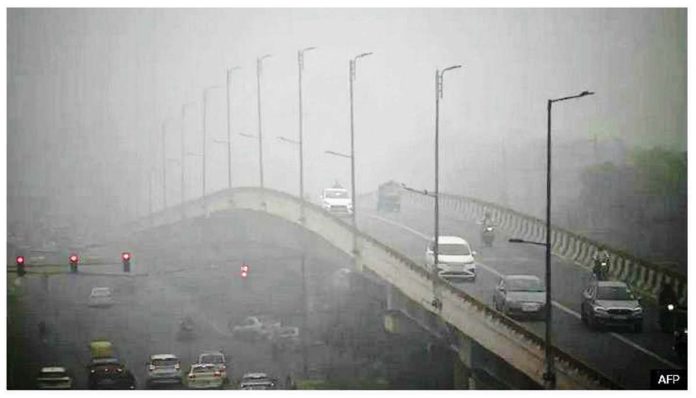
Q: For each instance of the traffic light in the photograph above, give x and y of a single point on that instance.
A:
(244, 271)
(20, 266)
(126, 257)
(74, 259)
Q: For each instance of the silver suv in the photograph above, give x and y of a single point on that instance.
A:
(163, 369)
(611, 303)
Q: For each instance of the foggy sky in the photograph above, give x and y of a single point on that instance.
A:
(88, 91)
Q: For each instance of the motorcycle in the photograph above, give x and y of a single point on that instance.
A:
(600, 270)
(487, 235)
(186, 329)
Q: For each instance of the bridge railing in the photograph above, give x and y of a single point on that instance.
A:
(643, 276)
(491, 329)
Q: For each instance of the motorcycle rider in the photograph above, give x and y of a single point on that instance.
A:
(487, 219)
(600, 259)
(487, 234)
(667, 297)
(186, 323)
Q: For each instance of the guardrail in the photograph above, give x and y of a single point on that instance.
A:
(643, 276)
(492, 330)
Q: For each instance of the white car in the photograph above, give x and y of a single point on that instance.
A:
(455, 259)
(337, 200)
(256, 327)
(163, 369)
(204, 375)
(217, 359)
(256, 381)
(100, 297)
(53, 378)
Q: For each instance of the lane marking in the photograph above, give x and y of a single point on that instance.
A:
(553, 302)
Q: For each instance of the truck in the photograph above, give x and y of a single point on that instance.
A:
(389, 197)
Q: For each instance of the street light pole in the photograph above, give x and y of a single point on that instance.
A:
(439, 77)
(203, 117)
(164, 167)
(229, 138)
(352, 65)
(259, 64)
(183, 149)
(300, 67)
(549, 368)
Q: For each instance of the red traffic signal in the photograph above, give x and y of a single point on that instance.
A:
(73, 258)
(125, 256)
(20, 260)
(244, 270)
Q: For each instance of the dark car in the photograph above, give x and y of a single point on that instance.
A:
(109, 374)
(520, 296)
(611, 303)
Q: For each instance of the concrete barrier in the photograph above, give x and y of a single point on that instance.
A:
(645, 277)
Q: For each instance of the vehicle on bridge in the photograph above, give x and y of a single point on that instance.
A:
(257, 327)
(389, 197)
(611, 303)
(337, 200)
(455, 258)
(163, 369)
(521, 296)
(100, 297)
(204, 375)
(217, 360)
(256, 381)
(53, 378)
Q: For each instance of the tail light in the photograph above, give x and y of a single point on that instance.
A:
(151, 368)
(217, 373)
(192, 376)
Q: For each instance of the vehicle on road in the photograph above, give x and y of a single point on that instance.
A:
(286, 338)
(53, 378)
(101, 349)
(488, 235)
(455, 258)
(520, 296)
(109, 374)
(186, 329)
(611, 304)
(255, 327)
(337, 200)
(163, 369)
(217, 359)
(256, 381)
(389, 197)
(100, 297)
(204, 375)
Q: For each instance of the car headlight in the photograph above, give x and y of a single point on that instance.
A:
(599, 310)
(638, 310)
